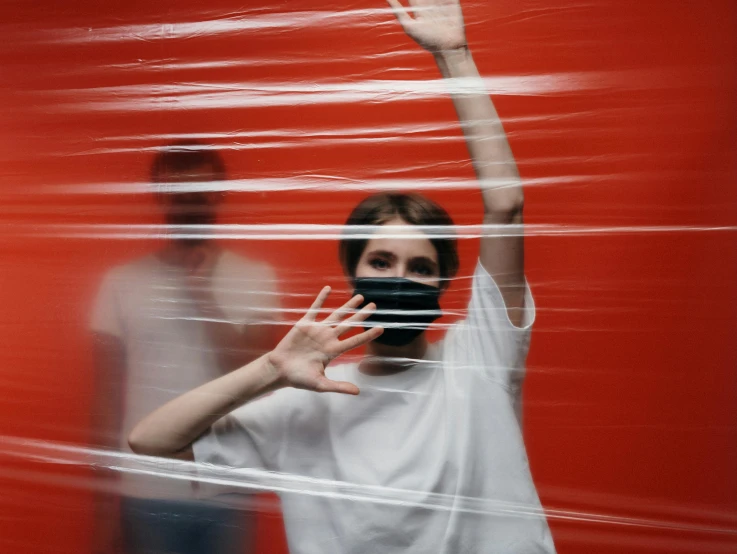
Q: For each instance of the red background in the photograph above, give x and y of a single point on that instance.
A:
(630, 403)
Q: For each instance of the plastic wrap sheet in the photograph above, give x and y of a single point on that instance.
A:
(621, 118)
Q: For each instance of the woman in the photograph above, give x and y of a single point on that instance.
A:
(436, 427)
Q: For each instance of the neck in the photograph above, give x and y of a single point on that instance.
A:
(177, 251)
(382, 359)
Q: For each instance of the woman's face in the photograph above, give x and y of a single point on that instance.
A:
(393, 252)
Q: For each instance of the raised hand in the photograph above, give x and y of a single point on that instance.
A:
(436, 25)
(303, 354)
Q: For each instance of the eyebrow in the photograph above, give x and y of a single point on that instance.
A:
(432, 263)
(390, 255)
(384, 253)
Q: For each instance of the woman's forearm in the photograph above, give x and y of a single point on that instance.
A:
(176, 425)
(299, 360)
(486, 139)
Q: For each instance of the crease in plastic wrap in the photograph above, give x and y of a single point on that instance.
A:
(419, 276)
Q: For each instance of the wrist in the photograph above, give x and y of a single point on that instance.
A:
(455, 56)
(274, 376)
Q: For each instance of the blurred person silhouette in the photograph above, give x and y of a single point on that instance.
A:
(429, 457)
(165, 324)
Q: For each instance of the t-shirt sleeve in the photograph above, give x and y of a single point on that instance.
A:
(106, 314)
(488, 340)
(249, 437)
(247, 291)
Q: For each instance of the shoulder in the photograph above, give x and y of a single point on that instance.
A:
(131, 271)
(486, 342)
(245, 284)
(118, 286)
(487, 303)
(232, 264)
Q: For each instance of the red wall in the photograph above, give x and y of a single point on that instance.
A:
(621, 114)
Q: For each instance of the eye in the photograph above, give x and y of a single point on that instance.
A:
(424, 270)
(379, 263)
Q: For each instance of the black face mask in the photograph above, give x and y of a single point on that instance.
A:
(403, 307)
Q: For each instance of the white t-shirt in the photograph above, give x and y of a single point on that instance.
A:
(168, 352)
(424, 461)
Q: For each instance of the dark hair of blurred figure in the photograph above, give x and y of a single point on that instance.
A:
(188, 174)
(187, 157)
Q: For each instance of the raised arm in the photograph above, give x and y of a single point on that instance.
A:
(437, 26)
(299, 361)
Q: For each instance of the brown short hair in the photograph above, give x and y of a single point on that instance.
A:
(415, 209)
(184, 156)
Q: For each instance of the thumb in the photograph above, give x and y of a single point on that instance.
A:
(342, 387)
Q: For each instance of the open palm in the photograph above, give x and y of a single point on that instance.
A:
(436, 25)
(303, 354)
